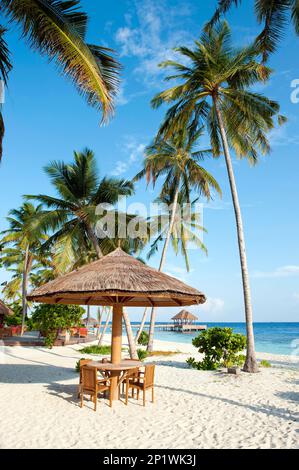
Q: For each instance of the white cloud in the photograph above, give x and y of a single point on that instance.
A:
(121, 98)
(133, 151)
(152, 40)
(282, 271)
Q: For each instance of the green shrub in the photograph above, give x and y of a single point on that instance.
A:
(265, 363)
(143, 338)
(77, 366)
(142, 354)
(220, 347)
(95, 349)
(50, 318)
(16, 318)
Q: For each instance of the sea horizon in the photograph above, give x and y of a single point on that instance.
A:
(270, 337)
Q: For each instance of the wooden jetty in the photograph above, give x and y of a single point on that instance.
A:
(180, 328)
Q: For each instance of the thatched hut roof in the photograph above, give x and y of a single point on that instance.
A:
(4, 310)
(184, 315)
(90, 321)
(117, 278)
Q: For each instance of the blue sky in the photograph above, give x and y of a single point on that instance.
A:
(46, 119)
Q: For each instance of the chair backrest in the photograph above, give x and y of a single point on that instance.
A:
(83, 362)
(149, 374)
(89, 378)
(132, 373)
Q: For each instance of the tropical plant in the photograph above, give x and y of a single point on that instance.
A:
(50, 318)
(275, 15)
(142, 354)
(176, 158)
(220, 346)
(215, 89)
(96, 349)
(16, 318)
(186, 230)
(57, 29)
(143, 338)
(72, 214)
(22, 251)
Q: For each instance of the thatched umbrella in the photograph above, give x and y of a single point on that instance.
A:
(4, 310)
(118, 280)
(184, 316)
(90, 321)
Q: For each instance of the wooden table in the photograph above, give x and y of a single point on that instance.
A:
(115, 372)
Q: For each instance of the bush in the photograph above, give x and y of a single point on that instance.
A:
(143, 338)
(77, 366)
(265, 363)
(220, 347)
(142, 354)
(16, 318)
(50, 318)
(95, 349)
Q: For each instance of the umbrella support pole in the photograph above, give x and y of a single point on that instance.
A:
(116, 343)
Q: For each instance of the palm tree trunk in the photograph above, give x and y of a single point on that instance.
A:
(24, 289)
(150, 345)
(100, 317)
(93, 239)
(250, 362)
(140, 329)
(132, 345)
(105, 326)
(88, 315)
(99, 253)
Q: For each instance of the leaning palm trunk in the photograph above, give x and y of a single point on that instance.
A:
(24, 289)
(140, 329)
(250, 362)
(105, 326)
(150, 345)
(132, 345)
(93, 239)
(88, 315)
(100, 317)
(99, 253)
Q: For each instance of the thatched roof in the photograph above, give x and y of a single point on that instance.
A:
(4, 310)
(184, 315)
(117, 278)
(90, 321)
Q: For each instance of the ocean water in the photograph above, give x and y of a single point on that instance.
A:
(276, 338)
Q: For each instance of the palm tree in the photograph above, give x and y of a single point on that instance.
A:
(22, 251)
(215, 89)
(176, 158)
(72, 215)
(185, 230)
(273, 14)
(57, 29)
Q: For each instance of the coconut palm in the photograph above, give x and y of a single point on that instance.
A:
(215, 88)
(57, 30)
(21, 251)
(274, 15)
(72, 215)
(176, 158)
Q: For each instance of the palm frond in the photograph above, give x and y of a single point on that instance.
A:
(57, 29)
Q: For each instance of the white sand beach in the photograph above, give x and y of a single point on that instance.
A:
(193, 409)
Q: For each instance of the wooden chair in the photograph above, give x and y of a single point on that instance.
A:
(91, 385)
(140, 383)
(84, 362)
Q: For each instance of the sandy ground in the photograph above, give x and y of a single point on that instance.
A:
(193, 409)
